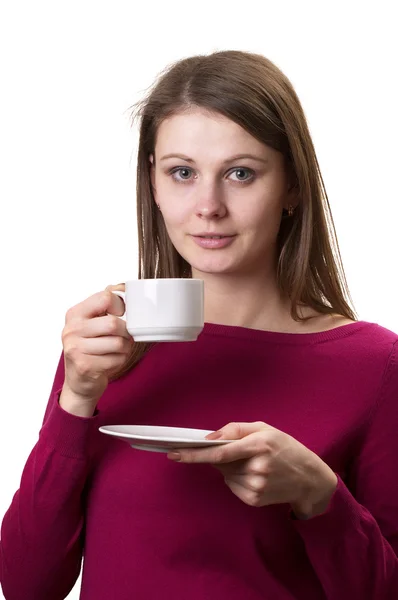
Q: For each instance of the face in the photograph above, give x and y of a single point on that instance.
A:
(212, 178)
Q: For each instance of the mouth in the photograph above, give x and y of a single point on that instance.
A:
(213, 241)
(213, 236)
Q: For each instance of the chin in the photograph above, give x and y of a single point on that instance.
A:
(215, 267)
(225, 261)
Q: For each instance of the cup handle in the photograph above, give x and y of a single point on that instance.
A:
(121, 295)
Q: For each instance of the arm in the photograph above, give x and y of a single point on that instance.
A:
(41, 536)
(352, 542)
(353, 545)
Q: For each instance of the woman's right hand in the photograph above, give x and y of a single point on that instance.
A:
(96, 344)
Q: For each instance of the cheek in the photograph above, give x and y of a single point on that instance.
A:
(175, 214)
(174, 202)
(261, 215)
(175, 219)
(260, 203)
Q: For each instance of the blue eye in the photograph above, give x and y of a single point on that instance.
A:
(242, 174)
(184, 174)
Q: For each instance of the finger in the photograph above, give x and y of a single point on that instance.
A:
(236, 431)
(240, 449)
(238, 467)
(248, 496)
(97, 305)
(106, 344)
(253, 483)
(108, 325)
(255, 466)
(238, 489)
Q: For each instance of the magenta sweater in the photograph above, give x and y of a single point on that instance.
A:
(152, 529)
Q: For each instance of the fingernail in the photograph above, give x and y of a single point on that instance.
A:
(174, 456)
(214, 436)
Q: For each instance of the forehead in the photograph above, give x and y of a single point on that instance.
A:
(199, 133)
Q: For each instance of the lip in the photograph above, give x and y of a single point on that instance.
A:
(211, 233)
(207, 242)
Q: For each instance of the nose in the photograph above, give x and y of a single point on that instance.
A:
(210, 203)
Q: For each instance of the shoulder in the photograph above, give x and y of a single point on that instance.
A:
(383, 353)
(387, 341)
(366, 332)
(375, 346)
(380, 337)
(362, 349)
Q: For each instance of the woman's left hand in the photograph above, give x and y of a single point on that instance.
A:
(266, 466)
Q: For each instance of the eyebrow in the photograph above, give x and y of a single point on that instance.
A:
(228, 160)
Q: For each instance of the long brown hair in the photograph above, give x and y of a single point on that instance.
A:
(251, 91)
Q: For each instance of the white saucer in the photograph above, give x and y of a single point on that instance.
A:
(161, 439)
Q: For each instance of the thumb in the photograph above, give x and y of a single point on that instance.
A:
(237, 431)
(121, 287)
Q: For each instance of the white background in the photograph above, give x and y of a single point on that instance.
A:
(69, 73)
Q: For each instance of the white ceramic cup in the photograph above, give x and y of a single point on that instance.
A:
(163, 310)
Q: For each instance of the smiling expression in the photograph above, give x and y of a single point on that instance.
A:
(212, 178)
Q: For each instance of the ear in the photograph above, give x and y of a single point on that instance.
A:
(292, 196)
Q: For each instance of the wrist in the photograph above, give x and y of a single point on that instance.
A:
(75, 405)
(316, 498)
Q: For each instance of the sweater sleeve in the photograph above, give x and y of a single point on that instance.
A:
(41, 535)
(353, 546)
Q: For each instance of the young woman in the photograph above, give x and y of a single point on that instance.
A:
(303, 504)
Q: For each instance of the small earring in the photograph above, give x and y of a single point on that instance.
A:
(290, 210)
(158, 205)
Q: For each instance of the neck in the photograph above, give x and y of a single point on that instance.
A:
(245, 300)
